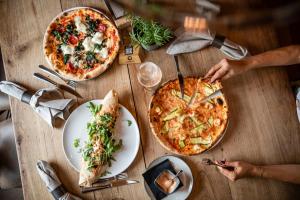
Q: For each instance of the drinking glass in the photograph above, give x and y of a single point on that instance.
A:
(149, 75)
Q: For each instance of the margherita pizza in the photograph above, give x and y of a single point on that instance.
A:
(188, 129)
(81, 43)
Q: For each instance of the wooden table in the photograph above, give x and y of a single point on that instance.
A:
(263, 126)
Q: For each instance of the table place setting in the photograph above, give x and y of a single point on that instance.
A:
(49, 103)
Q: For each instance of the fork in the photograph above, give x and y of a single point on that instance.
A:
(54, 73)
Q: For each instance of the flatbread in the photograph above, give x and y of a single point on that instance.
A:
(110, 106)
(184, 129)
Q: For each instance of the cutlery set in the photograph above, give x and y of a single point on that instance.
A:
(116, 181)
(71, 84)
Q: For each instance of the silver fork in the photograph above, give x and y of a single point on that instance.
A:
(54, 73)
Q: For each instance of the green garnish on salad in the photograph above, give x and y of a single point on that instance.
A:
(100, 146)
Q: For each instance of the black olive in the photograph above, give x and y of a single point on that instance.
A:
(220, 101)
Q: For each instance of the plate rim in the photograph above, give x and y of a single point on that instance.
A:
(135, 153)
(190, 189)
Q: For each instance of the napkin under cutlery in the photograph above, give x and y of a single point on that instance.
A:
(193, 41)
(52, 182)
(48, 103)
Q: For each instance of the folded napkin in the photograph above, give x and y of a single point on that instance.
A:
(151, 174)
(52, 182)
(48, 103)
(194, 41)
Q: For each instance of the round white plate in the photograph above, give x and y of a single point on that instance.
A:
(186, 177)
(75, 127)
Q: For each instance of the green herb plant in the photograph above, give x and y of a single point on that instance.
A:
(149, 33)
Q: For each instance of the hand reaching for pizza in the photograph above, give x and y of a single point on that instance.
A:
(240, 169)
(226, 68)
(279, 57)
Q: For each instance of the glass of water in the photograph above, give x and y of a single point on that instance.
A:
(149, 75)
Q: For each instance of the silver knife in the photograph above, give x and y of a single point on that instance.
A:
(215, 94)
(180, 77)
(60, 86)
(114, 183)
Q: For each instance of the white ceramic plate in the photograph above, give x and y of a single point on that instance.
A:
(75, 127)
(186, 177)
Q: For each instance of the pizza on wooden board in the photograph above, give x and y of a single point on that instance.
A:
(81, 43)
(188, 129)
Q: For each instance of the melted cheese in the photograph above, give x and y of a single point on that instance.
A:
(109, 43)
(103, 52)
(79, 25)
(97, 38)
(88, 44)
(67, 49)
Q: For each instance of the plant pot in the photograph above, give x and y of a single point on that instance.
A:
(150, 47)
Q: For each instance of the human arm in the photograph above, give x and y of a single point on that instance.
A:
(287, 173)
(279, 57)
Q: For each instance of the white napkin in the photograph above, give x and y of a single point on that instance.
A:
(52, 182)
(48, 103)
(194, 41)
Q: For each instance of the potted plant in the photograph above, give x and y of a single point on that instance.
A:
(149, 34)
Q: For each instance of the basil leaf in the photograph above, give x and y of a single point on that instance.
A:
(66, 58)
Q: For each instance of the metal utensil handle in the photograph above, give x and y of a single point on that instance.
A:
(180, 77)
(44, 78)
(177, 65)
(90, 189)
(50, 71)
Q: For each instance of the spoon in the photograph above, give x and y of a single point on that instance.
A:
(207, 161)
(176, 175)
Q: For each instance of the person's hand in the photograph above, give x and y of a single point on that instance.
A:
(226, 69)
(241, 169)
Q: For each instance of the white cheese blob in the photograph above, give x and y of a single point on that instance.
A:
(208, 91)
(79, 25)
(66, 49)
(109, 43)
(97, 38)
(88, 44)
(103, 52)
(196, 147)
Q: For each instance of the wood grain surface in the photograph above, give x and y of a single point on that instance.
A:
(263, 126)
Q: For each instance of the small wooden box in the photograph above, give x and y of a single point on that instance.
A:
(129, 53)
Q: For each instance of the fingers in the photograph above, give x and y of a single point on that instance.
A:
(219, 74)
(212, 70)
(227, 76)
(229, 174)
(231, 164)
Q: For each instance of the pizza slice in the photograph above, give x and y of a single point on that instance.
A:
(100, 146)
(203, 89)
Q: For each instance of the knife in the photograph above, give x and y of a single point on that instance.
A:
(180, 77)
(209, 97)
(60, 86)
(114, 183)
(215, 94)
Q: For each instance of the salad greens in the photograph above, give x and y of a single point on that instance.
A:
(99, 148)
(76, 142)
